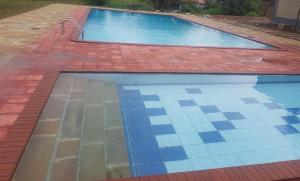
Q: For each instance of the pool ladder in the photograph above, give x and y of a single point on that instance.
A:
(74, 23)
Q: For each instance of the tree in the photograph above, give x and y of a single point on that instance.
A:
(165, 4)
(236, 7)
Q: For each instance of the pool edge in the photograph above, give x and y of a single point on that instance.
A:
(75, 34)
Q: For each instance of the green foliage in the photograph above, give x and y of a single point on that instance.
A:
(166, 4)
(235, 7)
(130, 4)
(191, 7)
(95, 2)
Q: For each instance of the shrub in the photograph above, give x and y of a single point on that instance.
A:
(191, 7)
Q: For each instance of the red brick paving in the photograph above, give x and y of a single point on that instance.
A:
(26, 82)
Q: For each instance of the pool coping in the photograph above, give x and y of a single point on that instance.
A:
(75, 34)
(12, 149)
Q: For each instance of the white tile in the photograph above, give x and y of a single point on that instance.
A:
(203, 127)
(204, 163)
(178, 166)
(232, 135)
(216, 116)
(196, 151)
(131, 87)
(249, 158)
(153, 104)
(228, 160)
(158, 120)
(190, 138)
(168, 140)
(184, 127)
(219, 148)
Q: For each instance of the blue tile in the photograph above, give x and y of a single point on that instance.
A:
(130, 95)
(147, 156)
(134, 105)
(272, 105)
(223, 125)
(211, 137)
(150, 169)
(209, 109)
(193, 91)
(163, 129)
(250, 100)
(136, 114)
(156, 111)
(295, 111)
(233, 115)
(139, 144)
(173, 153)
(141, 132)
(291, 119)
(286, 129)
(186, 103)
(150, 98)
(137, 121)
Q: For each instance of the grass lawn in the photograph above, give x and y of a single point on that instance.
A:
(13, 7)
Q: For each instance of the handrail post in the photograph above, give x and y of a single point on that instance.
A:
(74, 23)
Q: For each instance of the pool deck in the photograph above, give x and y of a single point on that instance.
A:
(31, 59)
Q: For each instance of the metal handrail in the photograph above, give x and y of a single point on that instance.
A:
(74, 23)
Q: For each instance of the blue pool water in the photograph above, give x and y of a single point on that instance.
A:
(176, 123)
(126, 27)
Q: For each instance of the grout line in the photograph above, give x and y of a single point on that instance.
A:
(81, 132)
(49, 174)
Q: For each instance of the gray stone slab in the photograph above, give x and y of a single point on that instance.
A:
(92, 163)
(95, 94)
(36, 159)
(80, 84)
(64, 170)
(46, 127)
(72, 121)
(117, 171)
(67, 148)
(112, 115)
(116, 151)
(93, 126)
(110, 92)
(78, 96)
(54, 108)
(63, 85)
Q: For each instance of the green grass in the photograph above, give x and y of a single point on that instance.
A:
(130, 4)
(13, 7)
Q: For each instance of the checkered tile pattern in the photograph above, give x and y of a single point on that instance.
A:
(176, 128)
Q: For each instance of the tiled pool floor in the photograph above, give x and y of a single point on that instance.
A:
(102, 126)
(184, 127)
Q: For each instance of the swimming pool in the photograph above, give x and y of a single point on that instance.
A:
(121, 125)
(138, 28)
